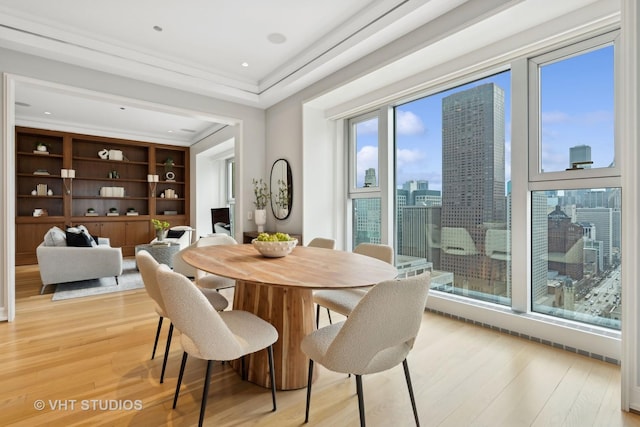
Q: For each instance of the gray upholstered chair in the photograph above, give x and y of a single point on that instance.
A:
(378, 335)
(209, 335)
(148, 266)
(322, 242)
(344, 300)
(210, 281)
(203, 279)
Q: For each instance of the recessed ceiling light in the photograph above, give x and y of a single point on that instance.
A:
(47, 113)
(157, 28)
(170, 131)
(276, 38)
(245, 64)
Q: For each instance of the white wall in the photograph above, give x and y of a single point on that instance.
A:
(247, 122)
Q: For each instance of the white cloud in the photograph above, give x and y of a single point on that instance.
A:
(405, 157)
(407, 123)
(368, 127)
(551, 117)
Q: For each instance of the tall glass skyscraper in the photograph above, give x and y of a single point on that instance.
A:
(473, 167)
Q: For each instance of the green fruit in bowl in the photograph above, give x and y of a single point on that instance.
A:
(282, 237)
(277, 237)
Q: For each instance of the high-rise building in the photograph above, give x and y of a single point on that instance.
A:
(566, 245)
(421, 230)
(473, 166)
(539, 246)
(602, 219)
(580, 153)
(370, 178)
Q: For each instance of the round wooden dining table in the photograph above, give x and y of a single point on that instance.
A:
(279, 290)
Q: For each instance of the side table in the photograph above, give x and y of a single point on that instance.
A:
(161, 252)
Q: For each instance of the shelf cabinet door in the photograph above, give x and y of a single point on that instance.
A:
(116, 232)
(137, 233)
(28, 237)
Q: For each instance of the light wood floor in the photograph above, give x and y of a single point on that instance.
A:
(98, 349)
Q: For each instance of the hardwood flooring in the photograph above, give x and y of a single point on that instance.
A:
(93, 354)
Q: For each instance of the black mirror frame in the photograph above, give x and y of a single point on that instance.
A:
(278, 174)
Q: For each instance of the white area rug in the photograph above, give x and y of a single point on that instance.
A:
(130, 279)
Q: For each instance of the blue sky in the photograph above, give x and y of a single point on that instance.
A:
(577, 108)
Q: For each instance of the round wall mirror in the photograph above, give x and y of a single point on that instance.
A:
(281, 189)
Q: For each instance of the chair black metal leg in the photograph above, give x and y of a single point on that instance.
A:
(360, 399)
(166, 352)
(273, 376)
(182, 365)
(309, 379)
(155, 344)
(317, 316)
(205, 392)
(243, 374)
(329, 314)
(405, 365)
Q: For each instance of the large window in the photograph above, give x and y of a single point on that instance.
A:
(364, 185)
(576, 199)
(452, 197)
(451, 187)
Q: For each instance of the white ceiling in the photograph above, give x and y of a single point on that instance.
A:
(287, 44)
(203, 44)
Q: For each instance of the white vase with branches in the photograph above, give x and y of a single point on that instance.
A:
(262, 197)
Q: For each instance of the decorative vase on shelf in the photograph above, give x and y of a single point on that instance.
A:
(260, 215)
(161, 234)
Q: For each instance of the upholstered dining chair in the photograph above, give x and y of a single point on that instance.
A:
(211, 281)
(180, 266)
(148, 266)
(211, 335)
(378, 335)
(322, 242)
(344, 300)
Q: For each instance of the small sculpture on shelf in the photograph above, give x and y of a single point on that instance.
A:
(169, 175)
(41, 148)
(91, 212)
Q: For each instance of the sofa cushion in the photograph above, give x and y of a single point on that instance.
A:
(55, 237)
(175, 234)
(79, 238)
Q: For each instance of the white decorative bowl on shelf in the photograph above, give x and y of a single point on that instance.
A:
(274, 249)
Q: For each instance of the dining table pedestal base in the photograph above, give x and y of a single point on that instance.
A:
(290, 311)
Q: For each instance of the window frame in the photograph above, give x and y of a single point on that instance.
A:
(534, 118)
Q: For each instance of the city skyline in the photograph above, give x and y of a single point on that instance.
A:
(583, 118)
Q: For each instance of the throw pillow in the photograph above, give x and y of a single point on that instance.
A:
(55, 237)
(86, 231)
(175, 234)
(78, 238)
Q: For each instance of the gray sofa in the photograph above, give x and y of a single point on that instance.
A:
(59, 264)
